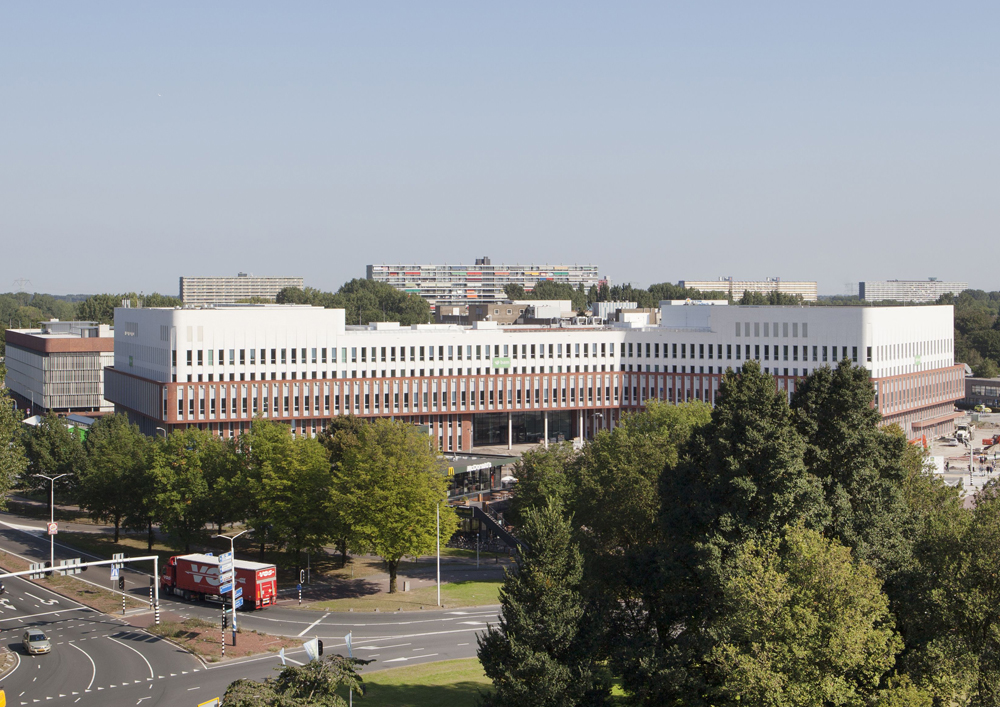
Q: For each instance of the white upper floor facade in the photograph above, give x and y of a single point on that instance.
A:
(287, 342)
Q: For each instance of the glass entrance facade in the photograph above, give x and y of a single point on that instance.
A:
(527, 427)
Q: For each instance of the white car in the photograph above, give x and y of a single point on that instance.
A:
(35, 642)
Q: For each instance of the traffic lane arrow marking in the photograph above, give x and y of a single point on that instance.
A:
(412, 657)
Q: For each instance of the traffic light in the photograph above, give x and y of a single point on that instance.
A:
(319, 645)
(48, 569)
(302, 576)
(121, 584)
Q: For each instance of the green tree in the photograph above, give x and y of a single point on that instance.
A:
(183, 501)
(260, 453)
(533, 656)
(542, 477)
(621, 468)
(13, 462)
(741, 476)
(298, 494)
(364, 301)
(803, 624)
(314, 684)
(101, 308)
(514, 291)
(116, 452)
(859, 463)
(340, 435)
(389, 487)
(52, 449)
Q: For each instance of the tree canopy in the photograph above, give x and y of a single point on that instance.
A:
(364, 301)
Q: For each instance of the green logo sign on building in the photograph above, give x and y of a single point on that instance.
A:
(501, 362)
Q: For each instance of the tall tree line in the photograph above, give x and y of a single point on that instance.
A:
(765, 551)
(368, 486)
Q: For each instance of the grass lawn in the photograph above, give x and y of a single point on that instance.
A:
(453, 594)
(451, 683)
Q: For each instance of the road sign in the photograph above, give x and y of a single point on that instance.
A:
(299, 587)
(312, 648)
(347, 640)
(69, 566)
(226, 557)
(53, 528)
(226, 588)
(114, 571)
(239, 592)
(226, 566)
(225, 577)
(239, 602)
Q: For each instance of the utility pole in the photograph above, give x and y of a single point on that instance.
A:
(438, 509)
(52, 515)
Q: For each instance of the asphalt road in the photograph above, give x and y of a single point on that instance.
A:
(94, 654)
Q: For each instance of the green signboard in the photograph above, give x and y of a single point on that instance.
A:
(501, 362)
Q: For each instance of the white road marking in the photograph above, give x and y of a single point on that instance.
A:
(412, 657)
(136, 652)
(306, 629)
(94, 674)
(375, 648)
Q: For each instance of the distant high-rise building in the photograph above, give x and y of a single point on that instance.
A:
(462, 284)
(230, 290)
(736, 288)
(908, 290)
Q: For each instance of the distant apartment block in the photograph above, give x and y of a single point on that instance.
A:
(462, 284)
(736, 288)
(230, 290)
(908, 290)
(59, 367)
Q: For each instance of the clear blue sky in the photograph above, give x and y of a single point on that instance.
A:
(662, 141)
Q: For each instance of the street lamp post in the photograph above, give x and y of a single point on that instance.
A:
(160, 429)
(52, 515)
(232, 552)
(438, 509)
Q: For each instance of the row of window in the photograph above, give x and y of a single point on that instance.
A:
(779, 353)
(374, 354)
(744, 327)
(376, 400)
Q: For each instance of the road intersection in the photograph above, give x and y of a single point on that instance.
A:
(95, 656)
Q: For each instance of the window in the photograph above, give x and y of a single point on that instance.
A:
(784, 329)
(189, 356)
(701, 350)
(854, 354)
(824, 354)
(343, 356)
(805, 330)
(294, 360)
(737, 328)
(869, 354)
(684, 351)
(767, 349)
(253, 357)
(313, 357)
(784, 351)
(729, 351)
(795, 330)
(795, 353)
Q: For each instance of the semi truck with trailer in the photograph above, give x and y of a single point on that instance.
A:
(195, 577)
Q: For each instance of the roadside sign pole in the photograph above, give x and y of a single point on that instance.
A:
(52, 515)
(232, 560)
(223, 630)
(156, 589)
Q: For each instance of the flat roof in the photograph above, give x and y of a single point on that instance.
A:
(214, 560)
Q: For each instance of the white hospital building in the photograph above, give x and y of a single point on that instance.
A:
(489, 384)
